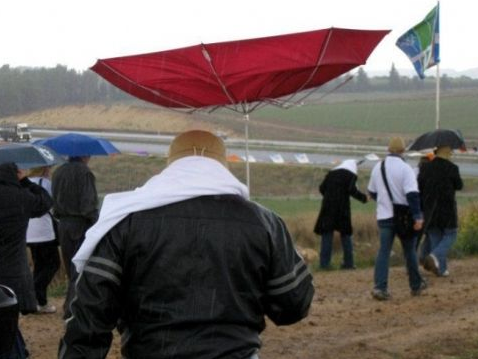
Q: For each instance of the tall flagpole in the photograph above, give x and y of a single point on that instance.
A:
(437, 102)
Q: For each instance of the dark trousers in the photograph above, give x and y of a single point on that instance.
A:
(71, 231)
(19, 350)
(46, 262)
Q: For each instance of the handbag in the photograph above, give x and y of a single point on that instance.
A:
(402, 216)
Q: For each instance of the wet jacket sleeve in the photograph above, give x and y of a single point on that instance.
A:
(323, 185)
(289, 288)
(97, 304)
(355, 192)
(456, 178)
(413, 199)
(89, 199)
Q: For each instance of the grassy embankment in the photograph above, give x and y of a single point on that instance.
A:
(290, 190)
(368, 118)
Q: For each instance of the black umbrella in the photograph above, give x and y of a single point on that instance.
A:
(27, 155)
(439, 138)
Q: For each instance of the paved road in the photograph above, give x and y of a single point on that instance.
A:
(321, 154)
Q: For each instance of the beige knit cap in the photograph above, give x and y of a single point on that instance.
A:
(197, 143)
(396, 145)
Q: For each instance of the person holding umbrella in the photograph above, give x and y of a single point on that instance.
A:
(20, 200)
(74, 194)
(438, 181)
(76, 207)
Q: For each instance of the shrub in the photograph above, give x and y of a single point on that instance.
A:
(467, 242)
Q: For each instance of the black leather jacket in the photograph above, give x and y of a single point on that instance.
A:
(192, 279)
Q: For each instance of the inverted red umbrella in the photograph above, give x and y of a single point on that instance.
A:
(244, 74)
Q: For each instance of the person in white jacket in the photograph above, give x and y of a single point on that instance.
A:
(43, 246)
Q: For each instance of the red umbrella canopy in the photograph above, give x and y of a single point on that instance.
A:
(243, 71)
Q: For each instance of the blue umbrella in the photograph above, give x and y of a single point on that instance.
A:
(27, 155)
(77, 145)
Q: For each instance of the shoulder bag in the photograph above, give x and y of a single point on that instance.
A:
(402, 216)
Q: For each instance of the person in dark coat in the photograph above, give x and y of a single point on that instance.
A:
(335, 215)
(20, 200)
(423, 246)
(438, 181)
(76, 207)
(187, 265)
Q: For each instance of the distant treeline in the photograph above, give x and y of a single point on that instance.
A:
(24, 90)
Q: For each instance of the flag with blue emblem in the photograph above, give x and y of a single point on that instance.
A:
(421, 43)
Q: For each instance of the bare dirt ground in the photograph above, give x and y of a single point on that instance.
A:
(345, 322)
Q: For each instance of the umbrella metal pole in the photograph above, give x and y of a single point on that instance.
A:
(246, 131)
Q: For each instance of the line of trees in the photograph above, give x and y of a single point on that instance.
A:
(396, 83)
(30, 89)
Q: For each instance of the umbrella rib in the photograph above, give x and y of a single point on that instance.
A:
(316, 68)
(350, 77)
(208, 58)
(154, 92)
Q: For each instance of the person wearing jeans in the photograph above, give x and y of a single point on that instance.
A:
(387, 235)
(438, 181)
(393, 181)
(441, 242)
(335, 214)
(326, 250)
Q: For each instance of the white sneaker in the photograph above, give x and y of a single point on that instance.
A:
(445, 273)
(46, 309)
(432, 264)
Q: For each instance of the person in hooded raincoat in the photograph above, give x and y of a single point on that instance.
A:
(335, 214)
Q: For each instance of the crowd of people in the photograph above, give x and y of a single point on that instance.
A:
(428, 193)
(187, 265)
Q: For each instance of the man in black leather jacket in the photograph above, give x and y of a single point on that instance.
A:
(189, 279)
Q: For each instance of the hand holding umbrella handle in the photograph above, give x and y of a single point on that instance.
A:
(418, 225)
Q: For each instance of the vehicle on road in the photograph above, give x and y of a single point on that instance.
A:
(15, 132)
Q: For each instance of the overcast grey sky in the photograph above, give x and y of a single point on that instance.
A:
(76, 34)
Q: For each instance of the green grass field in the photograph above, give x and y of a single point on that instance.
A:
(370, 119)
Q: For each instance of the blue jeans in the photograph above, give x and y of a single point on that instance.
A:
(441, 242)
(425, 247)
(387, 235)
(326, 250)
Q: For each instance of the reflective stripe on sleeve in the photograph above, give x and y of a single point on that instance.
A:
(102, 273)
